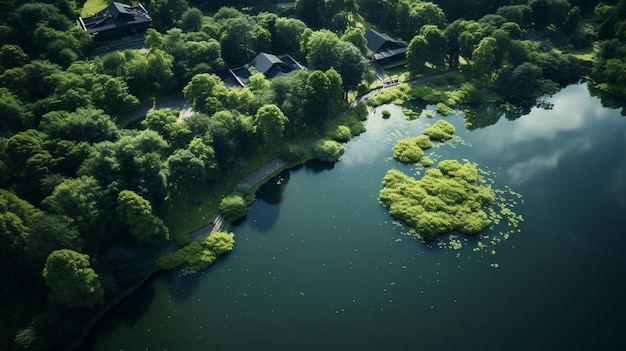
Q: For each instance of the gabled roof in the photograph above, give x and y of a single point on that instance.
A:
(270, 65)
(377, 41)
(116, 15)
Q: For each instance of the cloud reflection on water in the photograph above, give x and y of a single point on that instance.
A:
(537, 142)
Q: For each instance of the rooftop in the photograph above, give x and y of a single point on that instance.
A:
(116, 15)
(268, 64)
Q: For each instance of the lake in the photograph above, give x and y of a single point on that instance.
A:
(319, 264)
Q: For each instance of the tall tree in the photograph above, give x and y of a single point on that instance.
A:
(311, 12)
(87, 203)
(436, 50)
(72, 281)
(484, 59)
(270, 125)
(205, 92)
(237, 40)
(287, 37)
(351, 65)
(320, 47)
(416, 55)
(135, 213)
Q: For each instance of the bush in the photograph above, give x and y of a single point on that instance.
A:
(411, 114)
(233, 207)
(386, 114)
(355, 125)
(198, 254)
(293, 154)
(341, 134)
(395, 96)
(328, 150)
(359, 111)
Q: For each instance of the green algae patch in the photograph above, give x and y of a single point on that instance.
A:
(448, 198)
(441, 130)
(443, 109)
(411, 150)
(410, 114)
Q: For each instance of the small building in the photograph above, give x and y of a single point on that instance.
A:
(384, 49)
(270, 65)
(116, 21)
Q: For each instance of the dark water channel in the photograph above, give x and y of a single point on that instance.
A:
(319, 265)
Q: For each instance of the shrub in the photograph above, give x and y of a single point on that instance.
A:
(233, 207)
(328, 150)
(386, 113)
(198, 254)
(395, 96)
(341, 134)
(293, 154)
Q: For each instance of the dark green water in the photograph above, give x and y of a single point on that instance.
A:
(319, 265)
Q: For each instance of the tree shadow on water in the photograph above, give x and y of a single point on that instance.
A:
(128, 312)
(182, 286)
(272, 191)
(318, 166)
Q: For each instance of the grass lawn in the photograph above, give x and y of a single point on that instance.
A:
(91, 7)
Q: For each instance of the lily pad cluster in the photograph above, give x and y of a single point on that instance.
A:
(448, 198)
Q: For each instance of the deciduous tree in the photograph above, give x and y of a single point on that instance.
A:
(72, 281)
(135, 213)
(270, 125)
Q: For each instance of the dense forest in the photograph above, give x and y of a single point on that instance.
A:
(84, 202)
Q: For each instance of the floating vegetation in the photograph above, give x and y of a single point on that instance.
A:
(443, 109)
(446, 199)
(410, 114)
(452, 198)
(441, 130)
(411, 150)
(429, 113)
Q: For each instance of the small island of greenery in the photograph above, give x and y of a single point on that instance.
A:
(447, 198)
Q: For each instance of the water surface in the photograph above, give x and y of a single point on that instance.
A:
(318, 263)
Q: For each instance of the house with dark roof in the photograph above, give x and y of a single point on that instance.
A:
(116, 21)
(269, 65)
(384, 49)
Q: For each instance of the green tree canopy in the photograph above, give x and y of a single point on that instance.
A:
(416, 55)
(205, 92)
(484, 59)
(72, 281)
(135, 212)
(270, 124)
